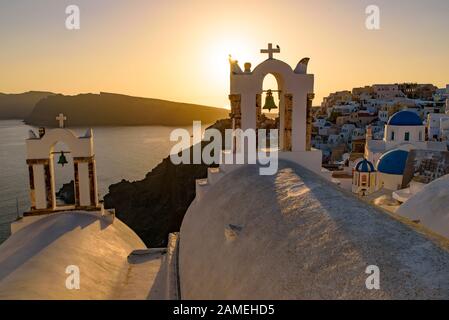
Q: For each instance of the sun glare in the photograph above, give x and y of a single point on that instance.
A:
(216, 58)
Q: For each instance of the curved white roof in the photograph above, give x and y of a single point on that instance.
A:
(296, 236)
(33, 260)
(429, 206)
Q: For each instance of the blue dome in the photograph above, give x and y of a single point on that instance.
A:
(393, 162)
(364, 166)
(405, 118)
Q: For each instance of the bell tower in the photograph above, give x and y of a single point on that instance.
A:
(295, 89)
(41, 171)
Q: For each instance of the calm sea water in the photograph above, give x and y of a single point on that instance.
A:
(120, 152)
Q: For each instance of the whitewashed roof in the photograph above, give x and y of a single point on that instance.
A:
(33, 260)
(296, 236)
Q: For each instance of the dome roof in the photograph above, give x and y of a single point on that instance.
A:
(34, 258)
(364, 166)
(393, 162)
(429, 206)
(294, 235)
(405, 118)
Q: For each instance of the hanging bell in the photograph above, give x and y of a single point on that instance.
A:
(62, 159)
(269, 102)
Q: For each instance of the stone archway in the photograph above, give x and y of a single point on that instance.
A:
(42, 175)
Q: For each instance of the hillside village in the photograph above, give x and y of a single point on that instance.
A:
(367, 135)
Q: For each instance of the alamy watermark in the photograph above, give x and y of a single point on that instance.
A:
(249, 146)
(73, 281)
(372, 21)
(372, 282)
(73, 19)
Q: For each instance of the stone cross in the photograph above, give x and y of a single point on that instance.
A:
(61, 118)
(270, 50)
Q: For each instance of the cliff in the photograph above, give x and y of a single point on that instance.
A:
(67, 192)
(19, 106)
(108, 109)
(155, 206)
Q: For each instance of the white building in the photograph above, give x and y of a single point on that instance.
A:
(444, 130)
(404, 130)
(345, 109)
(334, 139)
(387, 91)
(319, 122)
(383, 115)
(358, 133)
(435, 122)
(378, 131)
(441, 94)
(325, 130)
(346, 131)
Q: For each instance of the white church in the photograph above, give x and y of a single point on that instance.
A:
(403, 132)
(291, 235)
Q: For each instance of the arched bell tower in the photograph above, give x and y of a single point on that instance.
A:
(41, 171)
(296, 95)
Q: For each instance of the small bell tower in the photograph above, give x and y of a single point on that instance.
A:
(41, 171)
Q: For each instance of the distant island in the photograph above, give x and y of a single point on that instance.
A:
(20, 105)
(104, 109)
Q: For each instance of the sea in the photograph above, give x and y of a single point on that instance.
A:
(120, 152)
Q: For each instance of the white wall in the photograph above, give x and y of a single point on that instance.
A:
(39, 186)
(83, 170)
(399, 134)
(389, 181)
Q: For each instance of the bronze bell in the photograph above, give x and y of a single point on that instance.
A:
(62, 159)
(269, 102)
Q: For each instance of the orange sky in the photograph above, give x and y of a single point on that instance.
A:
(177, 50)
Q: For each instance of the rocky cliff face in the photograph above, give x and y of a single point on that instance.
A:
(67, 193)
(155, 206)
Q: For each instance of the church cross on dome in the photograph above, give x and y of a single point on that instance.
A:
(61, 118)
(271, 50)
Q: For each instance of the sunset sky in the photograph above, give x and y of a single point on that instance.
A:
(178, 49)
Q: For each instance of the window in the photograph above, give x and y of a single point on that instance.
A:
(363, 180)
(392, 135)
(420, 136)
(407, 136)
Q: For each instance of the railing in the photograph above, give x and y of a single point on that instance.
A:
(10, 210)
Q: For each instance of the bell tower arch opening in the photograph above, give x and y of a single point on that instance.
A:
(270, 106)
(270, 96)
(61, 162)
